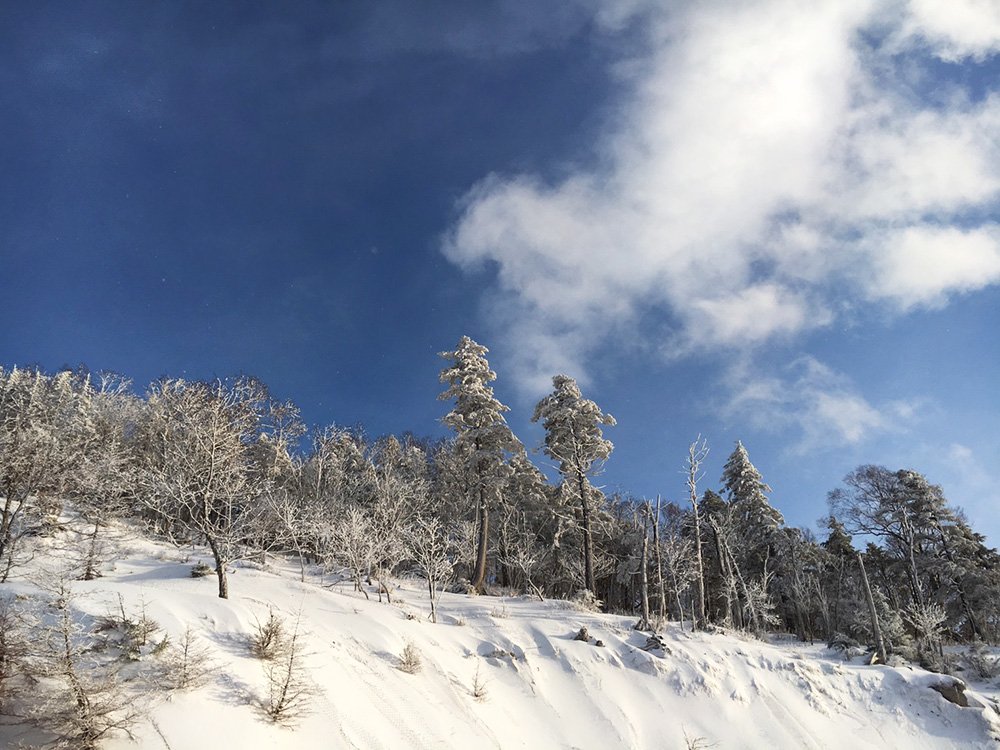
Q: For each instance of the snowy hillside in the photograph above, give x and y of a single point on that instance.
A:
(537, 686)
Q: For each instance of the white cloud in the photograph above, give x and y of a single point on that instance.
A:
(810, 398)
(763, 164)
(921, 265)
(753, 314)
(955, 29)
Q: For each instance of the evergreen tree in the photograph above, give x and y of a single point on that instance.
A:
(752, 535)
(482, 437)
(573, 438)
(746, 490)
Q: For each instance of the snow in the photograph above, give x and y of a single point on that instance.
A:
(543, 688)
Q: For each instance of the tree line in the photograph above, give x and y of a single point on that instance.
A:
(228, 465)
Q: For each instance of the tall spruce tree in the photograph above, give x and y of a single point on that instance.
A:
(482, 437)
(573, 438)
(746, 490)
(754, 532)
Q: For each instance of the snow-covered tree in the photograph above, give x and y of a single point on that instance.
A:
(202, 472)
(428, 545)
(697, 453)
(746, 490)
(924, 543)
(334, 476)
(574, 440)
(101, 486)
(353, 543)
(44, 431)
(483, 441)
(756, 521)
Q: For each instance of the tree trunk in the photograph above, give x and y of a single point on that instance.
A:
(90, 571)
(479, 574)
(660, 589)
(725, 572)
(646, 624)
(701, 567)
(876, 628)
(911, 544)
(9, 564)
(588, 542)
(220, 568)
(11, 508)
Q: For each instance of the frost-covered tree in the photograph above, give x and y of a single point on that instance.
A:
(923, 542)
(574, 440)
(333, 477)
(428, 545)
(483, 441)
(85, 700)
(353, 543)
(279, 517)
(101, 486)
(697, 453)
(524, 512)
(202, 472)
(746, 490)
(44, 432)
(678, 560)
(757, 521)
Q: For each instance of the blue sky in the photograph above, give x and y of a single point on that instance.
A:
(770, 221)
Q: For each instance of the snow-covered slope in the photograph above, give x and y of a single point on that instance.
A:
(543, 689)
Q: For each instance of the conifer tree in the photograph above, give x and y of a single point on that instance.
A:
(573, 438)
(482, 437)
(747, 491)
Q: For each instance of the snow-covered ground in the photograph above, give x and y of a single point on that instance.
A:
(543, 689)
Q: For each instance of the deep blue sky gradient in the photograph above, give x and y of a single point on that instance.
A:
(203, 189)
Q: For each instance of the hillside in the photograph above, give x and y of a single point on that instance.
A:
(540, 687)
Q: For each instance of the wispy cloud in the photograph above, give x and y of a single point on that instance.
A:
(809, 399)
(954, 30)
(772, 165)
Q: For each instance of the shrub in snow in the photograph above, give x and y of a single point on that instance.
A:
(84, 695)
(201, 570)
(927, 621)
(410, 661)
(187, 664)
(981, 662)
(130, 634)
(268, 641)
(478, 685)
(585, 601)
(289, 689)
(696, 743)
(897, 639)
(843, 643)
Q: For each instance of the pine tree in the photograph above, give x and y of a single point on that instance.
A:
(573, 438)
(753, 529)
(482, 437)
(747, 492)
